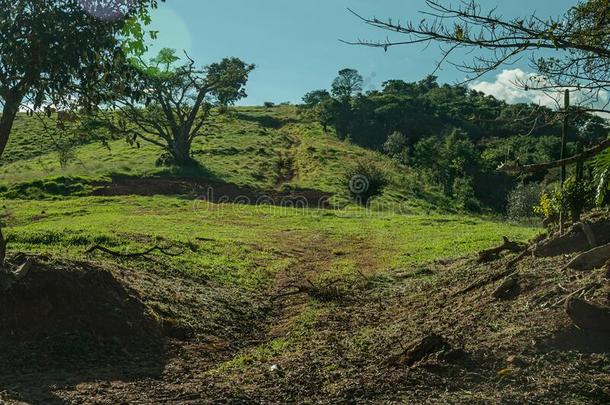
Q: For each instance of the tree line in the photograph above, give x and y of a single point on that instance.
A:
(457, 136)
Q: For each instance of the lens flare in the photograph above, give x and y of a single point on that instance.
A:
(107, 10)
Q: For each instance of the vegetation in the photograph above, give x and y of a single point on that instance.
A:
(450, 133)
(169, 106)
(365, 246)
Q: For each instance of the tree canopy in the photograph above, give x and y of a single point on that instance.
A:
(168, 104)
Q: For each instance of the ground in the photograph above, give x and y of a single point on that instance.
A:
(272, 304)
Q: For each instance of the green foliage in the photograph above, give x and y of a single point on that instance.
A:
(522, 202)
(365, 181)
(347, 84)
(463, 190)
(315, 98)
(416, 124)
(397, 147)
(445, 160)
(76, 50)
(573, 198)
(547, 208)
(170, 106)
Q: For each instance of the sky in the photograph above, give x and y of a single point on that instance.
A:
(296, 46)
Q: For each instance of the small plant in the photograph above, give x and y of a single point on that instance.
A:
(522, 202)
(573, 198)
(365, 181)
(269, 104)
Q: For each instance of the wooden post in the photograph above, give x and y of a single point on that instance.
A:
(564, 143)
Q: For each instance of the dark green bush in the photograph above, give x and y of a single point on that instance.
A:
(365, 181)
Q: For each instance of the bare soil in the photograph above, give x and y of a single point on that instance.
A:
(340, 348)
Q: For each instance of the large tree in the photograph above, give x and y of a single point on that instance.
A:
(53, 53)
(169, 105)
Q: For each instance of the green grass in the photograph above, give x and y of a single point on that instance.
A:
(246, 245)
(246, 148)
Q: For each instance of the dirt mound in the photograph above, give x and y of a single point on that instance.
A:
(77, 300)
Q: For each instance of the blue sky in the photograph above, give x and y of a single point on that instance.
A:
(295, 43)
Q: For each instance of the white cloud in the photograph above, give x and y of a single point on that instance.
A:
(506, 87)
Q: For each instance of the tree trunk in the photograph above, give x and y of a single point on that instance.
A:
(12, 101)
(181, 151)
(2, 250)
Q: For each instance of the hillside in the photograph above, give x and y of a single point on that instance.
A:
(141, 291)
(256, 151)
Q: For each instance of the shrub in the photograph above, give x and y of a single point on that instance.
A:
(522, 202)
(397, 147)
(269, 104)
(365, 181)
(573, 198)
(463, 192)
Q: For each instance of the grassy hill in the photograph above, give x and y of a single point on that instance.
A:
(255, 148)
(259, 302)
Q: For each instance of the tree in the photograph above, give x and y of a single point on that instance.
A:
(581, 37)
(397, 146)
(51, 48)
(53, 53)
(348, 83)
(171, 104)
(448, 159)
(315, 97)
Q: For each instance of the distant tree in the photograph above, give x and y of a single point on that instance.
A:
(398, 87)
(446, 160)
(173, 103)
(397, 147)
(314, 98)
(348, 83)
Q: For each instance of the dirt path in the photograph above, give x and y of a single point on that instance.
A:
(184, 371)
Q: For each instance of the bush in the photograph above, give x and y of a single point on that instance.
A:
(397, 147)
(269, 104)
(522, 202)
(463, 192)
(365, 181)
(573, 199)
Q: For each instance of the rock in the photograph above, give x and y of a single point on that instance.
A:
(422, 348)
(509, 288)
(588, 316)
(581, 237)
(592, 259)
